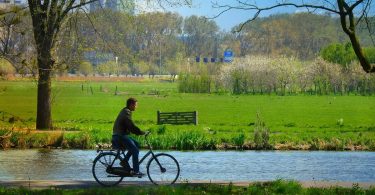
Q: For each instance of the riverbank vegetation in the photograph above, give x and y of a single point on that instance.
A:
(84, 112)
(275, 187)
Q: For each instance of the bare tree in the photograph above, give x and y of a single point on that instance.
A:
(47, 18)
(351, 12)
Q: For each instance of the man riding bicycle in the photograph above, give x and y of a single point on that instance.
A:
(121, 129)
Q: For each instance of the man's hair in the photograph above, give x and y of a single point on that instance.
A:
(130, 101)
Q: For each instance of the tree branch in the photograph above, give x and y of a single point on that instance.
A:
(364, 12)
(351, 8)
(343, 15)
(369, 29)
(259, 10)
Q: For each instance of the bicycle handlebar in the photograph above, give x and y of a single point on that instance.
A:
(146, 135)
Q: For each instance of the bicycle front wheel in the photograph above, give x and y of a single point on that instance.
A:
(163, 169)
(101, 169)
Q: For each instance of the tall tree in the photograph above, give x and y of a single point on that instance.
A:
(300, 34)
(200, 36)
(350, 13)
(47, 17)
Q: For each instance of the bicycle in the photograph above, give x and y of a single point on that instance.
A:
(162, 168)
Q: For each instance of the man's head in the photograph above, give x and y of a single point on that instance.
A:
(131, 103)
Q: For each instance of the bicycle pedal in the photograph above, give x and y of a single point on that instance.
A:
(138, 176)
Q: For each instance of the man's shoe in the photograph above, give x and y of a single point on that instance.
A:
(137, 174)
(125, 165)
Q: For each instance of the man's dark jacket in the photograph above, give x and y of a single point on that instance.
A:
(124, 124)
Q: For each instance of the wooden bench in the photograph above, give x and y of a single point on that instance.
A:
(177, 118)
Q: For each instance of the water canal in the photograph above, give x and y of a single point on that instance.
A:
(203, 165)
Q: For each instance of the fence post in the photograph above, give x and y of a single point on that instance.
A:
(116, 90)
(175, 114)
(82, 87)
(158, 119)
(92, 92)
(196, 117)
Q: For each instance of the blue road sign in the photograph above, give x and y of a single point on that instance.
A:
(197, 59)
(228, 55)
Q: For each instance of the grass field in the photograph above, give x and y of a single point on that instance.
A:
(295, 122)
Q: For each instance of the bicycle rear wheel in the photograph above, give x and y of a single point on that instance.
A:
(101, 169)
(163, 169)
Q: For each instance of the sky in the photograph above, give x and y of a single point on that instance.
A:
(231, 18)
(205, 8)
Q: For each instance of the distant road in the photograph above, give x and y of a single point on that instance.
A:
(44, 184)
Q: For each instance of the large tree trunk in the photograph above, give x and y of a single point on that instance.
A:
(44, 119)
(45, 64)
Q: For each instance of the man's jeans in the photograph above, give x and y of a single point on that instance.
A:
(131, 145)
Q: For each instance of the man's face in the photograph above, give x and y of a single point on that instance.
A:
(132, 107)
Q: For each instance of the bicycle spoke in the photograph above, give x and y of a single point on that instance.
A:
(104, 163)
(100, 170)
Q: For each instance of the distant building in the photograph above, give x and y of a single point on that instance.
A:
(96, 58)
(127, 6)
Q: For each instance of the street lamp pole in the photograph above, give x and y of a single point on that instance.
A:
(117, 67)
(160, 57)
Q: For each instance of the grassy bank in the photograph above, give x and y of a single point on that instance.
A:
(83, 114)
(276, 187)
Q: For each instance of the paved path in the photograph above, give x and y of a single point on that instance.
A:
(42, 184)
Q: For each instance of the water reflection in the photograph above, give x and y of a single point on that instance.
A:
(228, 166)
(42, 164)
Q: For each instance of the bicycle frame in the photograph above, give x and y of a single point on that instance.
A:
(150, 152)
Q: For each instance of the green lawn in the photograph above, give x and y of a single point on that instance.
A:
(222, 117)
